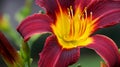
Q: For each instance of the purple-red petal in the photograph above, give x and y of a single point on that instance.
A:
(54, 55)
(37, 23)
(51, 6)
(107, 49)
(68, 57)
(107, 13)
(84, 3)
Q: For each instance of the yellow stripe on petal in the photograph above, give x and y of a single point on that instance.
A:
(73, 29)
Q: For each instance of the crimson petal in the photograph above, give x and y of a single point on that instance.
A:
(37, 23)
(84, 3)
(107, 13)
(107, 49)
(51, 6)
(54, 56)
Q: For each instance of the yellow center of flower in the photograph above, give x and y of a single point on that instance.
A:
(73, 29)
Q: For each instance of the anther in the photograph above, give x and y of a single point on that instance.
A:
(71, 10)
(91, 15)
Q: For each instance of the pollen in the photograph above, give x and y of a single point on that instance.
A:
(73, 27)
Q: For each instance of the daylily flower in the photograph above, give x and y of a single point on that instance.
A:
(9, 53)
(71, 24)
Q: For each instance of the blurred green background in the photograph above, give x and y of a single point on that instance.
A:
(88, 58)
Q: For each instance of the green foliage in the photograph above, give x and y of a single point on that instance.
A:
(25, 53)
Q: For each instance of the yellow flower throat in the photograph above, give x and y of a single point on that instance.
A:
(73, 29)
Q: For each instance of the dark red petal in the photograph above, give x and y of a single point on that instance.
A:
(107, 12)
(107, 49)
(37, 23)
(84, 3)
(51, 6)
(8, 53)
(68, 57)
(54, 56)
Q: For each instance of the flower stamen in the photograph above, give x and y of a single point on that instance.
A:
(72, 28)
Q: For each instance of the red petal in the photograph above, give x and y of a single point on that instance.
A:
(54, 56)
(107, 12)
(68, 57)
(84, 3)
(8, 53)
(107, 49)
(36, 23)
(51, 6)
